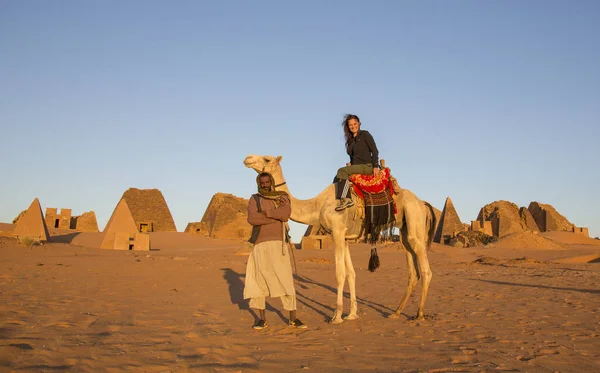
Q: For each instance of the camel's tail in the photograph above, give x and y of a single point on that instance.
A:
(431, 221)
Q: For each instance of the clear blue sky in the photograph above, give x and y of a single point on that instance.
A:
(476, 100)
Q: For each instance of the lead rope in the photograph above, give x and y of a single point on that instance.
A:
(290, 249)
(284, 242)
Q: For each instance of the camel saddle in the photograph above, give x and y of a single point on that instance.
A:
(377, 193)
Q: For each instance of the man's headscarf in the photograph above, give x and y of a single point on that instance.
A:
(272, 193)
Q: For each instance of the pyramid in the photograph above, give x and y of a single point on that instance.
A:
(149, 210)
(548, 219)
(120, 223)
(32, 223)
(449, 223)
(527, 220)
(86, 222)
(225, 217)
(506, 218)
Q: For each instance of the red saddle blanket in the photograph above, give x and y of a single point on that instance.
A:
(372, 184)
(380, 207)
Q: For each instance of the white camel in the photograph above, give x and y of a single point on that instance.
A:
(415, 219)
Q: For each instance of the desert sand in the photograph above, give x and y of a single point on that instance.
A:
(528, 303)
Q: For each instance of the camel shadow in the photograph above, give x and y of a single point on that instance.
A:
(236, 294)
(303, 280)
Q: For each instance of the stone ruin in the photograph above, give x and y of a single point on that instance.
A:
(122, 232)
(31, 224)
(55, 220)
(472, 239)
(502, 218)
(548, 219)
(84, 223)
(506, 218)
(581, 230)
(317, 238)
(226, 216)
(149, 210)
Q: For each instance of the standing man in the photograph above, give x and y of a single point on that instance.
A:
(269, 268)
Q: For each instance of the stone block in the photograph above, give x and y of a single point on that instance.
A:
(141, 242)
(121, 241)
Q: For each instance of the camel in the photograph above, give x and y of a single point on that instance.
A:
(415, 219)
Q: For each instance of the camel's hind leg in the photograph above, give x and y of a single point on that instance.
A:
(414, 234)
(419, 255)
(412, 281)
(339, 244)
(425, 272)
(351, 276)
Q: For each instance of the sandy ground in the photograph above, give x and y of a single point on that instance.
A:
(524, 304)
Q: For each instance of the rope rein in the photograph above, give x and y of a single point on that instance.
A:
(288, 244)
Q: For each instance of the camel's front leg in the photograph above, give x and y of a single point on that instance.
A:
(340, 276)
(351, 273)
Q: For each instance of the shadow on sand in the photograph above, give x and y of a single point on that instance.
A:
(303, 284)
(590, 291)
(236, 293)
(64, 238)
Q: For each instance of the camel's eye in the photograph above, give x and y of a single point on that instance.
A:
(267, 160)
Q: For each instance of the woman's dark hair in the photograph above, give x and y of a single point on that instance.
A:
(347, 133)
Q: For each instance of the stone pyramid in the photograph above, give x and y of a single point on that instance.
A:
(548, 219)
(449, 223)
(225, 217)
(120, 224)
(149, 210)
(32, 223)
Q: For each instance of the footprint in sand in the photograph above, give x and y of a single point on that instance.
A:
(468, 350)
(462, 359)
(486, 338)
(509, 341)
(60, 324)
(525, 357)
(547, 351)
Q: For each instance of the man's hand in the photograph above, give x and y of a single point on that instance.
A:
(376, 171)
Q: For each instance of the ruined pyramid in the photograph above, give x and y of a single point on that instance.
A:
(32, 223)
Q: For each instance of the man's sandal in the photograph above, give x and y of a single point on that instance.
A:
(297, 324)
(260, 324)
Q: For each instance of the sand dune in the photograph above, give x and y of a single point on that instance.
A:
(65, 307)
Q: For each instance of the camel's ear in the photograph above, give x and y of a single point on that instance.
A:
(279, 158)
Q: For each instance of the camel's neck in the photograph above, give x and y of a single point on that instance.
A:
(304, 211)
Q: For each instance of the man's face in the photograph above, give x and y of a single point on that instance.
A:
(265, 182)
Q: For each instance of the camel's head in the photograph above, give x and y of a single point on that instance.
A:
(263, 163)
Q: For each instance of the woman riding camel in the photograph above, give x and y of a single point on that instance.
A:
(364, 159)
